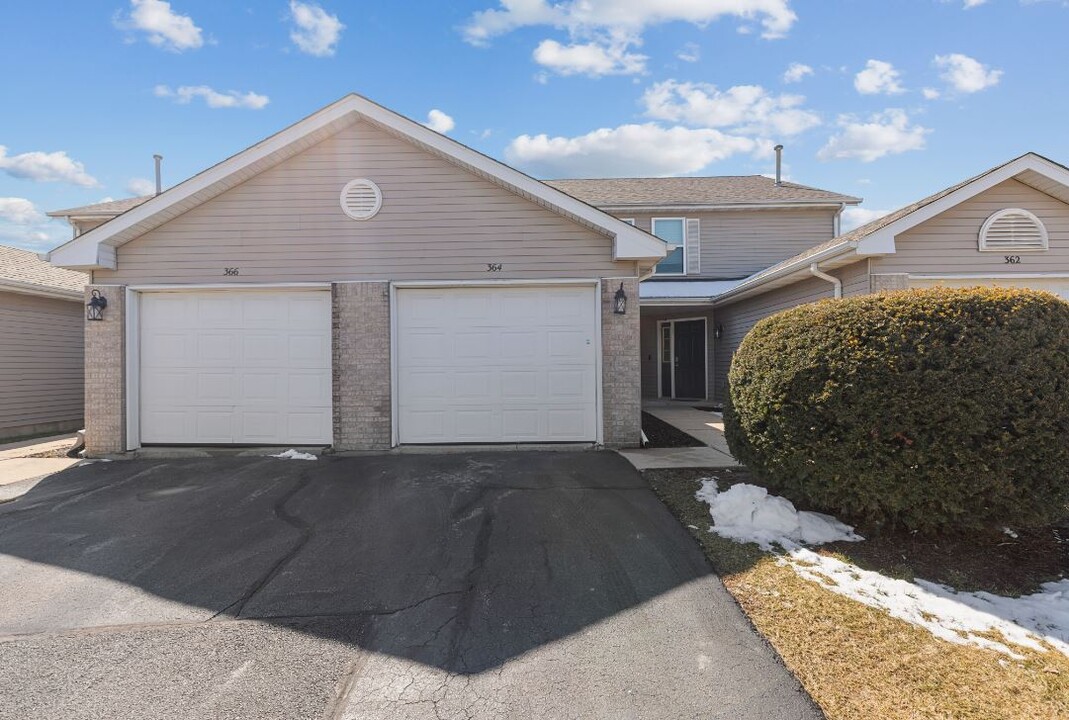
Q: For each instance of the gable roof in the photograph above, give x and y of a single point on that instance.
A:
(22, 271)
(108, 209)
(96, 248)
(696, 192)
(877, 237)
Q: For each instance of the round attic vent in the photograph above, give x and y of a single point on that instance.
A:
(361, 199)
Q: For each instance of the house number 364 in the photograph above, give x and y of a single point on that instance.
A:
(494, 267)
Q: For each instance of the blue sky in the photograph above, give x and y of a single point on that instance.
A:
(887, 100)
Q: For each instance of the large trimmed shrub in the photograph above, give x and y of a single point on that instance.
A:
(928, 409)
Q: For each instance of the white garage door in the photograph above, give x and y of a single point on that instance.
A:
(502, 364)
(1058, 286)
(235, 367)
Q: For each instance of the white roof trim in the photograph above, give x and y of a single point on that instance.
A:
(795, 205)
(25, 288)
(882, 241)
(85, 251)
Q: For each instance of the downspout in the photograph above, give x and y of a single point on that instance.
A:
(837, 223)
(815, 270)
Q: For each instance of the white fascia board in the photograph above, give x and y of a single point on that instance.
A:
(753, 285)
(675, 302)
(23, 288)
(75, 252)
(668, 209)
(630, 243)
(884, 237)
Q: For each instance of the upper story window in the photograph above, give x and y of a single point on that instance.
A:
(1013, 229)
(672, 231)
(629, 221)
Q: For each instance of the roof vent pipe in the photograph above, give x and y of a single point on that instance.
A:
(779, 165)
(159, 177)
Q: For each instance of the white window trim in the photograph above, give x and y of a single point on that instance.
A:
(629, 221)
(998, 215)
(682, 245)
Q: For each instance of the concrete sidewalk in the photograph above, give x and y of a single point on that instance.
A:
(19, 472)
(708, 427)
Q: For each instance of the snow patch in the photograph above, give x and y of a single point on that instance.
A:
(292, 454)
(747, 513)
(957, 617)
(1008, 531)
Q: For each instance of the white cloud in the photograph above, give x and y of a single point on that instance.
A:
(635, 150)
(931, 93)
(886, 133)
(23, 225)
(46, 167)
(974, 3)
(438, 121)
(879, 78)
(747, 109)
(317, 32)
(796, 72)
(185, 94)
(855, 217)
(19, 211)
(602, 33)
(591, 59)
(164, 27)
(690, 52)
(965, 74)
(631, 16)
(141, 186)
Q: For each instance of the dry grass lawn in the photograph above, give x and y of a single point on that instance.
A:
(859, 663)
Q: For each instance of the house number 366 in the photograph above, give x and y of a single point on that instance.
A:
(231, 271)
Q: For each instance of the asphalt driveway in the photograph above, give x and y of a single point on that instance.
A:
(494, 585)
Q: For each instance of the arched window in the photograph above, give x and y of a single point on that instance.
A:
(1013, 229)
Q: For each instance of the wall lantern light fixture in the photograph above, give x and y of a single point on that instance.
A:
(619, 301)
(94, 309)
(718, 331)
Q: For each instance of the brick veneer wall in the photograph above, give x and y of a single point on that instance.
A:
(621, 366)
(895, 281)
(361, 358)
(105, 375)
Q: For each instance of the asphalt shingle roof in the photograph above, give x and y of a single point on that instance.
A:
(110, 208)
(723, 190)
(23, 266)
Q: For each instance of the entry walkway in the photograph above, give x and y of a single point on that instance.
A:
(708, 427)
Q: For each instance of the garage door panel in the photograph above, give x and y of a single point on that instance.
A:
(250, 368)
(490, 364)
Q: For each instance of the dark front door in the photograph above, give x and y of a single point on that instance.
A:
(690, 359)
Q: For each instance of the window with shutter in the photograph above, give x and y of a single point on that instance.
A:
(694, 246)
(1013, 229)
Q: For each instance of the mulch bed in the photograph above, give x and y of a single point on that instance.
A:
(663, 435)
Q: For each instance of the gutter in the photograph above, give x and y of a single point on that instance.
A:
(802, 204)
(837, 284)
(801, 264)
(25, 288)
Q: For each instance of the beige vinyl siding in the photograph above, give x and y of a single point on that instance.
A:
(437, 222)
(41, 364)
(739, 318)
(738, 243)
(855, 279)
(948, 243)
(650, 345)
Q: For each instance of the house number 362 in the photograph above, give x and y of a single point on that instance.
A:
(1012, 259)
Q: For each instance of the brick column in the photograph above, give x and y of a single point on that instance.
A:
(621, 361)
(361, 365)
(105, 375)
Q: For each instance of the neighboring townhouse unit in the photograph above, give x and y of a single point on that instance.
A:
(720, 230)
(42, 311)
(1008, 226)
(361, 281)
